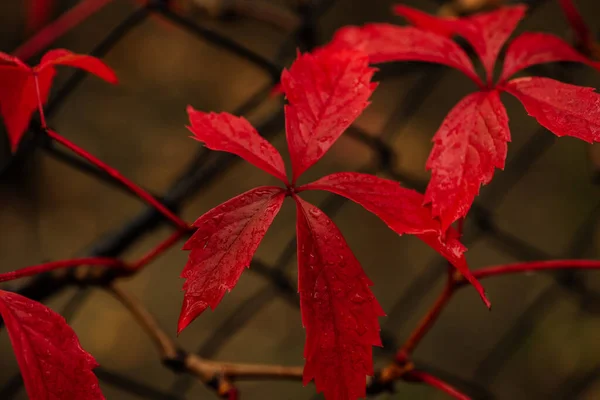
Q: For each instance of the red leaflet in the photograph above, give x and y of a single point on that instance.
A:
(39, 13)
(52, 362)
(385, 42)
(339, 311)
(225, 132)
(538, 48)
(223, 245)
(326, 91)
(402, 210)
(19, 96)
(469, 145)
(563, 109)
(427, 22)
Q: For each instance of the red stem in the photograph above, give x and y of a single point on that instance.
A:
(535, 266)
(426, 322)
(59, 27)
(437, 383)
(141, 193)
(158, 250)
(41, 268)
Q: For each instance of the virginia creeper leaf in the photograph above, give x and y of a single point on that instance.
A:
(222, 247)
(582, 32)
(538, 48)
(52, 362)
(401, 209)
(428, 22)
(18, 92)
(225, 132)
(386, 42)
(469, 145)
(326, 92)
(82, 61)
(339, 311)
(39, 13)
(563, 109)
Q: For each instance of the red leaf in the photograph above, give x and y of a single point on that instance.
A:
(538, 48)
(469, 145)
(326, 92)
(223, 245)
(18, 93)
(18, 98)
(52, 362)
(339, 311)
(428, 22)
(385, 43)
(88, 63)
(563, 109)
(225, 132)
(487, 32)
(401, 209)
(39, 13)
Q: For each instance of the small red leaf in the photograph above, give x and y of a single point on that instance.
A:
(469, 145)
(402, 210)
(385, 43)
(584, 37)
(88, 63)
(225, 132)
(39, 13)
(52, 362)
(326, 92)
(428, 22)
(339, 311)
(18, 98)
(563, 109)
(538, 48)
(223, 245)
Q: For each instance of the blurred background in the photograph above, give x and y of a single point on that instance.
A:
(541, 340)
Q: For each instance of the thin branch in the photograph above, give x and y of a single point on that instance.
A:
(138, 191)
(532, 266)
(51, 266)
(420, 376)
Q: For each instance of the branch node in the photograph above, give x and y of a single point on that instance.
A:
(176, 363)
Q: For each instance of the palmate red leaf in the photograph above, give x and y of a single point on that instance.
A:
(386, 42)
(18, 92)
(538, 48)
(52, 362)
(486, 32)
(402, 210)
(222, 247)
(339, 311)
(326, 92)
(469, 145)
(225, 132)
(563, 109)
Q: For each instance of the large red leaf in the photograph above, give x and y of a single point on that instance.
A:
(52, 362)
(222, 247)
(563, 109)
(401, 209)
(339, 311)
(19, 100)
(326, 92)
(82, 61)
(469, 145)
(385, 43)
(225, 132)
(538, 48)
